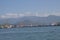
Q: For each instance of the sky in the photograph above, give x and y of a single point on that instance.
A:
(20, 8)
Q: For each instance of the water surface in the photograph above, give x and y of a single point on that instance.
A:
(31, 33)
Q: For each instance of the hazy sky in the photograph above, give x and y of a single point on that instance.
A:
(29, 8)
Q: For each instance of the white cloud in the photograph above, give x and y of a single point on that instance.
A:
(2, 16)
(41, 14)
(16, 15)
(9, 15)
(12, 15)
(57, 14)
(20, 15)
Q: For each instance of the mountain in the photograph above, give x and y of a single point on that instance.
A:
(31, 19)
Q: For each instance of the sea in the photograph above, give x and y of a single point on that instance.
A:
(31, 33)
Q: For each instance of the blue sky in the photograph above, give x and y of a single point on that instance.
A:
(29, 7)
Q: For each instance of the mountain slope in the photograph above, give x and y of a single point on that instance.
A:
(31, 19)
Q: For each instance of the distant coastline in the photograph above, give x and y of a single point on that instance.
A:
(28, 25)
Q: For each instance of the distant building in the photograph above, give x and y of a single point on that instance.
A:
(7, 26)
(55, 24)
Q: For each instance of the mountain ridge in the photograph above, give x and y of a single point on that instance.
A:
(32, 19)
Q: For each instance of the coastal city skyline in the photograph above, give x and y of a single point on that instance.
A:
(20, 8)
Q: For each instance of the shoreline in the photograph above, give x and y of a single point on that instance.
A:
(31, 26)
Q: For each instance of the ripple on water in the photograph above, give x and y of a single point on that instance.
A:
(46, 33)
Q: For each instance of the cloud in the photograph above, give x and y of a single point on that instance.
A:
(57, 14)
(17, 15)
(9, 15)
(12, 15)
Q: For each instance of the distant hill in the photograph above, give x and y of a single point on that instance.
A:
(31, 19)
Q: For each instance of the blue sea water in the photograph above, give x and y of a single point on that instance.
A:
(31, 33)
